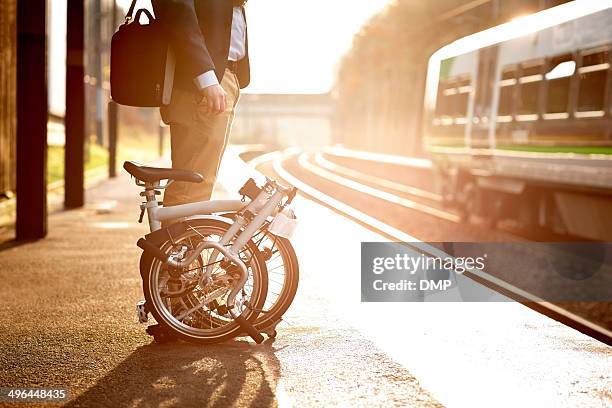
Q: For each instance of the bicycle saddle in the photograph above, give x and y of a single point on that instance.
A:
(152, 174)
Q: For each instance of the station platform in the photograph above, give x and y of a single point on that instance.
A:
(68, 321)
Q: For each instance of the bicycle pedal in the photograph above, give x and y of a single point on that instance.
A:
(141, 312)
(270, 331)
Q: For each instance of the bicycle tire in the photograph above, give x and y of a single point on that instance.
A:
(272, 315)
(233, 330)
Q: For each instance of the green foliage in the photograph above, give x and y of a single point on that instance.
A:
(559, 149)
(96, 158)
(135, 143)
(445, 67)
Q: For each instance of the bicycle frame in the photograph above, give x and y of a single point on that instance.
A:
(250, 217)
(156, 214)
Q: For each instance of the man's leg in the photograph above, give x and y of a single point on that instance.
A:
(198, 140)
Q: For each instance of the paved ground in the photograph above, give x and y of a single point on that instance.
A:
(499, 354)
(68, 321)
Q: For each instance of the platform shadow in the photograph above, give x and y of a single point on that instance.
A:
(13, 243)
(236, 373)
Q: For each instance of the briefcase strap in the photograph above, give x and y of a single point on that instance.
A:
(130, 13)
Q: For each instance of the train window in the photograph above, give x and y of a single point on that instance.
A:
(461, 97)
(531, 68)
(440, 99)
(593, 75)
(507, 86)
(595, 58)
(531, 76)
(506, 95)
(453, 98)
(444, 104)
(528, 101)
(508, 73)
(558, 77)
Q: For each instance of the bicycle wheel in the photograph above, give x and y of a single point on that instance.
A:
(196, 314)
(283, 277)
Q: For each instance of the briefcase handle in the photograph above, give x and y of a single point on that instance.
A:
(130, 14)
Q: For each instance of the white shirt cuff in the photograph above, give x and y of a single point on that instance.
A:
(206, 79)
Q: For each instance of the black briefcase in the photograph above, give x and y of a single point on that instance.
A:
(142, 68)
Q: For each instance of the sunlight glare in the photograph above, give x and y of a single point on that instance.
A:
(522, 26)
(295, 46)
(563, 70)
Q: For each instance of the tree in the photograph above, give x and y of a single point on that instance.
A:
(380, 83)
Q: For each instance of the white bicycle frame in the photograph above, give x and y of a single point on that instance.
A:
(250, 217)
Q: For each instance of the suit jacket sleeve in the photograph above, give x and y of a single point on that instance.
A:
(179, 21)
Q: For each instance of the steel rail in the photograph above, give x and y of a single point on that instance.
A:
(533, 302)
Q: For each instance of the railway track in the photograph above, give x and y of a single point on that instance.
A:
(399, 206)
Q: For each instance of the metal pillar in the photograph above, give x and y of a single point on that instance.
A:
(160, 145)
(74, 157)
(112, 138)
(32, 112)
(97, 67)
(113, 114)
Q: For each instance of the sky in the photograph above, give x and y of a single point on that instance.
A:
(295, 45)
(56, 63)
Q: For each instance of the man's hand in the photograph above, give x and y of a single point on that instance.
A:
(215, 98)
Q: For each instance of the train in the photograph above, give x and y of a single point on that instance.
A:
(518, 121)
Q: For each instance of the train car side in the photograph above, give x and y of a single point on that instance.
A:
(519, 125)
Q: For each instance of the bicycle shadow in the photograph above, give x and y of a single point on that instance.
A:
(236, 373)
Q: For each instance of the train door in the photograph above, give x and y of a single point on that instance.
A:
(485, 82)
